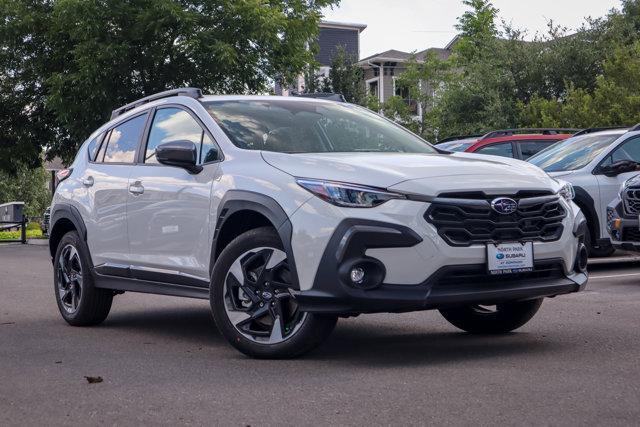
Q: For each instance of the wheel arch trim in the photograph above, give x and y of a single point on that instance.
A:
(69, 212)
(242, 200)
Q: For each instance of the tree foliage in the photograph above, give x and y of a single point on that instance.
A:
(65, 64)
(345, 77)
(498, 78)
(26, 185)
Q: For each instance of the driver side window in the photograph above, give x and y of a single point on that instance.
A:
(174, 124)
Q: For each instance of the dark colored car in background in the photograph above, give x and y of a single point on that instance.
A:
(515, 143)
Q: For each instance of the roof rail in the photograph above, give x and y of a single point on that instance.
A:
(191, 92)
(321, 95)
(543, 131)
(635, 128)
(592, 130)
(458, 137)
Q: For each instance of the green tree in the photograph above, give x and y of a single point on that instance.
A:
(28, 185)
(73, 61)
(480, 96)
(346, 78)
(423, 81)
(614, 101)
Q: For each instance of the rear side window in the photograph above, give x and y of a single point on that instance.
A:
(504, 149)
(529, 148)
(93, 146)
(122, 141)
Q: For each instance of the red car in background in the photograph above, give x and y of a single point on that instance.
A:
(515, 143)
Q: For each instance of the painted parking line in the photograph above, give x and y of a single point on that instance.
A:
(611, 260)
(614, 275)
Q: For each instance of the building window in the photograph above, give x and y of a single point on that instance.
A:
(373, 88)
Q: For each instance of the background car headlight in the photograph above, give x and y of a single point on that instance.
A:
(567, 191)
(347, 195)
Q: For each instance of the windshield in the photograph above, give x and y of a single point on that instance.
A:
(301, 126)
(572, 153)
(456, 145)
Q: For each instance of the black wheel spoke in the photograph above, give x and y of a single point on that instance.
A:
(69, 278)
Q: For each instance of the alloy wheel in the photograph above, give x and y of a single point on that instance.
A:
(69, 275)
(257, 300)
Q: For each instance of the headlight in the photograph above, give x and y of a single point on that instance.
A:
(567, 191)
(347, 195)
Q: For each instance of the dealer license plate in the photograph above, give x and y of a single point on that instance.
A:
(509, 258)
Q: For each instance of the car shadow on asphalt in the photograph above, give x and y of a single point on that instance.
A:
(382, 346)
(351, 343)
(193, 324)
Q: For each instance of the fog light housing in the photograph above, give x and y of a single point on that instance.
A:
(357, 275)
(614, 224)
(362, 273)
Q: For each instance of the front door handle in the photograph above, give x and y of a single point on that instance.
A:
(88, 181)
(136, 188)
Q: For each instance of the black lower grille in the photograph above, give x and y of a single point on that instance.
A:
(468, 277)
(464, 222)
(631, 234)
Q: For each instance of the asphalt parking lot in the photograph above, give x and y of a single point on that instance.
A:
(163, 362)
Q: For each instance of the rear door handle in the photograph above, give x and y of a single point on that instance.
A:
(136, 188)
(88, 181)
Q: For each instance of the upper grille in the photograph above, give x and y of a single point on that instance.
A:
(464, 222)
(631, 199)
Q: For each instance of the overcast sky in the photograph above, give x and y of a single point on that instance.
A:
(410, 25)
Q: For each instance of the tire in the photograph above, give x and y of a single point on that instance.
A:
(251, 303)
(597, 251)
(505, 318)
(79, 301)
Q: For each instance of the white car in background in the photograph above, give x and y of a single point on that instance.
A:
(597, 163)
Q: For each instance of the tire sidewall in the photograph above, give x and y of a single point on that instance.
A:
(305, 338)
(73, 238)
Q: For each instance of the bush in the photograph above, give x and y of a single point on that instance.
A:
(15, 235)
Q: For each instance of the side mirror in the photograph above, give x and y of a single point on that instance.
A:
(181, 153)
(621, 166)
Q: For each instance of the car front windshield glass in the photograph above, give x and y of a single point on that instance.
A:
(301, 126)
(573, 153)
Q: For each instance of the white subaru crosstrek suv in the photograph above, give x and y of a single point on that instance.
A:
(289, 212)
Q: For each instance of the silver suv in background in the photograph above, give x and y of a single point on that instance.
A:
(597, 163)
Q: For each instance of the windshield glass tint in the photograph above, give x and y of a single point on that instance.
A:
(573, 153)
(300, 126)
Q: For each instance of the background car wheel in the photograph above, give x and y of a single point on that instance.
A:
(79, 302)
(251, 303)
(599, 251)
(497, 319)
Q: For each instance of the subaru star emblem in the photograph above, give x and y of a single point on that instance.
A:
(504, 205)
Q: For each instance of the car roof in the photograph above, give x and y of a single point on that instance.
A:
(206, 98)
(519, 137)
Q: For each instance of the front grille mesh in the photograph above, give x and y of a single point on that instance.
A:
(631, 234)
(464, 222)
(631, 198)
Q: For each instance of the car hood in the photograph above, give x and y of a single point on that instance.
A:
(416, 173)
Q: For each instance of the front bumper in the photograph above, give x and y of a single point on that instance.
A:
(623, 229)
(420, 270)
